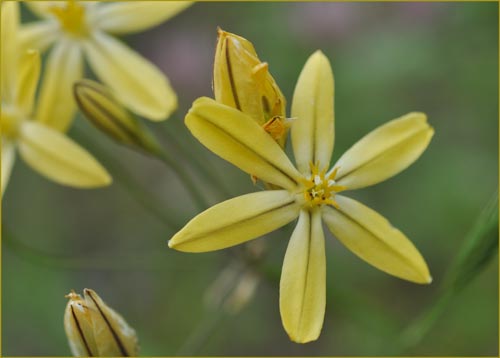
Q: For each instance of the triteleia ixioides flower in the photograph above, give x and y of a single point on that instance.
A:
(308, 191)
(105, 112)
(243, 82)
(78, 29)
(46, 150)
(96, 330)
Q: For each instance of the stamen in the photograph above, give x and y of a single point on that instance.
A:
(71, 16)
(320, 188)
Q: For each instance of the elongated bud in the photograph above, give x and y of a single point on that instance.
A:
(95, 330)
(243, 82)
(102, 109)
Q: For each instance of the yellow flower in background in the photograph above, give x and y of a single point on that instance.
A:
(46, 150)
(76, 29)
(309, 192)
(243, 82)
(96, 330)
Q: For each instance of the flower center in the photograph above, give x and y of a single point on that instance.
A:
(71, 16)
(320, 188)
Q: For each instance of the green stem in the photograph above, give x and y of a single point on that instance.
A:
(185, 178)
(479, 247)
(201, 165)
(200, 335)
(64, 261)
(144, 199)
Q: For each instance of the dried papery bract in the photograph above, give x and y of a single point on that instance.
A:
(243, 82)
(106, 112)
(96, 330)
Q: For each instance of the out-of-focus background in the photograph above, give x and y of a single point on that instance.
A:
(388, 59)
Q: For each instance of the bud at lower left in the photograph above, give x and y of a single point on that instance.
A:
(95, 330)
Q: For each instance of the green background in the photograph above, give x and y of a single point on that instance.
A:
(388, 59)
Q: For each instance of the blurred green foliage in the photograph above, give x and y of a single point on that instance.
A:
(388, 59)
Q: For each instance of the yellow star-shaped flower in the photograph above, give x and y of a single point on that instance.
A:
(46, 150)
(309, 192)
(76, 29)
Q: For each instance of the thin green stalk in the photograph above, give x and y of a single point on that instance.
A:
(479, 248)
(185, 178)
(200, 165)
(64, 261)
(201, 334)
(125, 180)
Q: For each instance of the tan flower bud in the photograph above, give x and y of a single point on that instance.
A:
(102, 109)
(95, 330)
(243, 82)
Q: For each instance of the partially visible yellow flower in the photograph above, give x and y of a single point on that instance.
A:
(96, 330)
(309, 192)
(46, 150)
(103, 110)
(78, 28)
(243, 82)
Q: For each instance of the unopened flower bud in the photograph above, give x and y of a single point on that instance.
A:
(102, 109)
(243, 82)
(95, 330)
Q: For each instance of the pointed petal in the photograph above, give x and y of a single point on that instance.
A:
(9, 49)
(38, 35)
(130, 17)
(58, 158)
(238, 139)
(312, 110)
(370, 236)
(236, 220)
(28, 80)
(384, 152)
(135, 81)
(8, 158)
(56, 105)
(303, 280)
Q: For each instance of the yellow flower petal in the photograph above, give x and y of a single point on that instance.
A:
(79, 328)
(38, 35)
(135, 16)
(113, 335)
(28, 81)
(238, 139)
(56, 105)
(312, 111)
(135, 81)
(58, 158)
(9, 49)
(236, 220)
(303, 280)
(384, 152)
(370, 236)
(8, 158)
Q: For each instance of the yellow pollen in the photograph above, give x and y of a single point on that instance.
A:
(71, 16)
(319, 188)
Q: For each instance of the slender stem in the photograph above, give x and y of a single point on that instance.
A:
(201, 165)
(479, 247)
(185, 178)
(125, 180)
(200, 335)
(64, 261)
